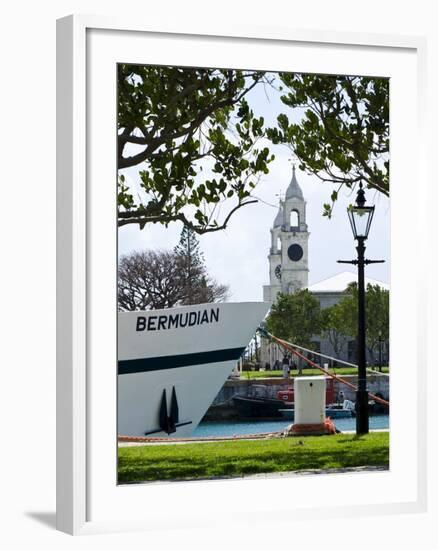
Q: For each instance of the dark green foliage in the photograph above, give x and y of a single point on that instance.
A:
(338, 324)
(191, 262)
(295, 317)
(198, 287)
(169, 119)
(343, 135)
(376, 314)
(340, 321)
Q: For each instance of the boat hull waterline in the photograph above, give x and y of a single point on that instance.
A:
(172, 363)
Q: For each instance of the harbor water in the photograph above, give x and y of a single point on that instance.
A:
(235, 428)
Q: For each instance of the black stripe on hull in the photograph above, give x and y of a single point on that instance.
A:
(132, 366)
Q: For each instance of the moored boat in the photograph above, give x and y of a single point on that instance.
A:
(346, 409)
(257, 407)
(258, 404)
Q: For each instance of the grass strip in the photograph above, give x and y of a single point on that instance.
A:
(239, 458)
(253, 375)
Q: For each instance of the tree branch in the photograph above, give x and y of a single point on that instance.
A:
(136, 218)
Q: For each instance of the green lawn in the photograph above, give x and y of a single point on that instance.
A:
(237, 458)
(253, 375)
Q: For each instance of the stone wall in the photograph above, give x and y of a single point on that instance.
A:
(375, 384)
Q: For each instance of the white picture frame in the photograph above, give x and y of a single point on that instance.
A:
(86, 425)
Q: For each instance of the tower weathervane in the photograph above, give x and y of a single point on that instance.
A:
(293, 160)
(280, 196)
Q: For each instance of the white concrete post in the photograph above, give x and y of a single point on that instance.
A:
(309, 399)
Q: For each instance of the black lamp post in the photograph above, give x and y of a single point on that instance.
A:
(361, 217)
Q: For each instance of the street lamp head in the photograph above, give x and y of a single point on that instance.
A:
(360, 216)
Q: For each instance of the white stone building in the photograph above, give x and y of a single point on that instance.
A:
(289, 252)
(289, 269)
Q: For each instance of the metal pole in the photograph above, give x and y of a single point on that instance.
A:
(362, 417)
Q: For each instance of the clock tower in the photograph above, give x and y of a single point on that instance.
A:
(288, 255)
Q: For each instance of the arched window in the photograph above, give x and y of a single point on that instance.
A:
(294, 219)
(278, 243)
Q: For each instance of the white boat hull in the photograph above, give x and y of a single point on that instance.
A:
(189, 350)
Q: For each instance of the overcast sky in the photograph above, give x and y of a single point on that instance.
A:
(237, 256)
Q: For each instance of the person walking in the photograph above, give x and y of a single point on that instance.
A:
(286, 367)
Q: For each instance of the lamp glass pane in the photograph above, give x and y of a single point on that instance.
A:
(361, 219)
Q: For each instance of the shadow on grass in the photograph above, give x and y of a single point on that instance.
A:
(227, 466)
(352, 438)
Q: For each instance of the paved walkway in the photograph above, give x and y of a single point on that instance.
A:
(356, 469)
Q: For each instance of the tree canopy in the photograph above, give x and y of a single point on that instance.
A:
(339, 322)
(336, 323)
(169, 120)
(146, 280)
(298, 318)
(195, 140)
(343, 134)
(295, 317)
(376, 314)
(159, 279)
(198, 287)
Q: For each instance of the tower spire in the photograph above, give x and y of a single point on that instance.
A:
(294, 189)
(279, 217)
(288, 255)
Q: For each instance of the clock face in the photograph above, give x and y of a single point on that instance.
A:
(277, 271)
(295, 252)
